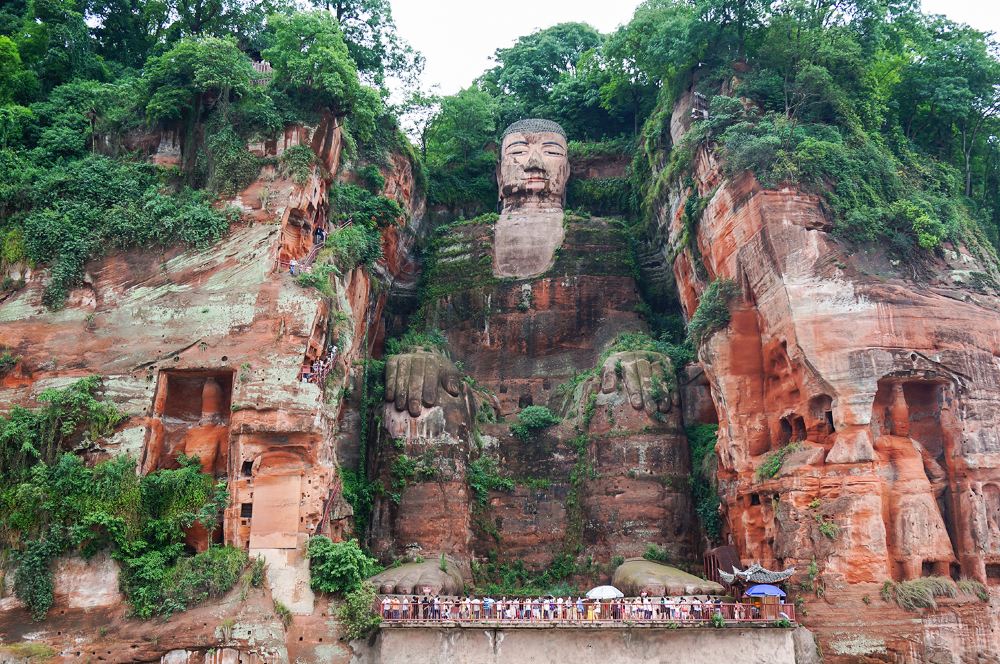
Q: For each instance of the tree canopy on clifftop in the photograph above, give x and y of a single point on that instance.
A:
(84, 82)
(892, 113)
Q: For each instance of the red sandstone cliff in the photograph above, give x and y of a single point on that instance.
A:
(223, 331)
(885, 377)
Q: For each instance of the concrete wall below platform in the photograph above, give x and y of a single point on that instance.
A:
(580, 645)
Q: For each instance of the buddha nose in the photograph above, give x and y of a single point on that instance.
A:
(534, 162)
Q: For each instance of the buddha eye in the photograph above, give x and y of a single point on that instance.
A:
(554, 154)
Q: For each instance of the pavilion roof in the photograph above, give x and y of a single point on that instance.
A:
(756, 574)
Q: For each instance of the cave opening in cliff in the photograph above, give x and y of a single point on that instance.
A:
(785, 432)
(191, 412)
(993, 574)
(792, 428)
(184, 394)
(820, 421)
(921, 407)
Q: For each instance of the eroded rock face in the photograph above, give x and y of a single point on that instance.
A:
(883, 376)
(203, 351)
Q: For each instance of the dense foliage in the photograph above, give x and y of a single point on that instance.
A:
(531, 420)
(358, 614)
(712, 313)
(82, 85)
(338, 567)
(70, 416)
(892, 115)
(889, 114)
(484, 476)
(497, 578)
(51, 504)
(562, 73)
(704, 489)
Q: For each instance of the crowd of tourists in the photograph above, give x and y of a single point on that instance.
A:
(317, 370)
(525, 609)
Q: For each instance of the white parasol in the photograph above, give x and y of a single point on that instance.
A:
(604, 592)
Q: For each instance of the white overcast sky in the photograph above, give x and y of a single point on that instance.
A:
(458, 37)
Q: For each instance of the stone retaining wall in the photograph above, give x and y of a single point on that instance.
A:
(580, 645)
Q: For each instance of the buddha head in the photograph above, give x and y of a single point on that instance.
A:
(534, 166)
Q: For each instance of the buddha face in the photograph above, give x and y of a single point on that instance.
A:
(533, 169)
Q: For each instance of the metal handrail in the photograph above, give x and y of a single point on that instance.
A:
(306, 374)
(534, 611)
(307, 260)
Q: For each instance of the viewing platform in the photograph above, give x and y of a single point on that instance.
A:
(673, 613)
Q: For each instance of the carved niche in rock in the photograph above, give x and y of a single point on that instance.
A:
(919, 542)
(190, 417)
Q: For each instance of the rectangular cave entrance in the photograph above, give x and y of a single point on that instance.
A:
(923, 400)
(185, 392)
(191, 418)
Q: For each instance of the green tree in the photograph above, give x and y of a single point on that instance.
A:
(372, 40)
(460, 162)
(416, 113)
(11, 70)
(338, 567)
(358, 613)
(243, 20)
(311, 61)
(728, 24)
(584, 104)
(197, 75)
(655, 46)
(527, 72)
(127, 30)
(55, 44)
(949, 97)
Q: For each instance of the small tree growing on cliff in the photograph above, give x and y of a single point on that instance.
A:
(712, 313)
(338, 566)
(357, 614)
(532, 419)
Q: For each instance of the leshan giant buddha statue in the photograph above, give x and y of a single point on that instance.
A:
(557, 294)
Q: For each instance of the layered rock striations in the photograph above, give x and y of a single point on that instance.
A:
(204, 351)
(857, 401)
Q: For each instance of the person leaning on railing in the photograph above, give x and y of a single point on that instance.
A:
(527, 609)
